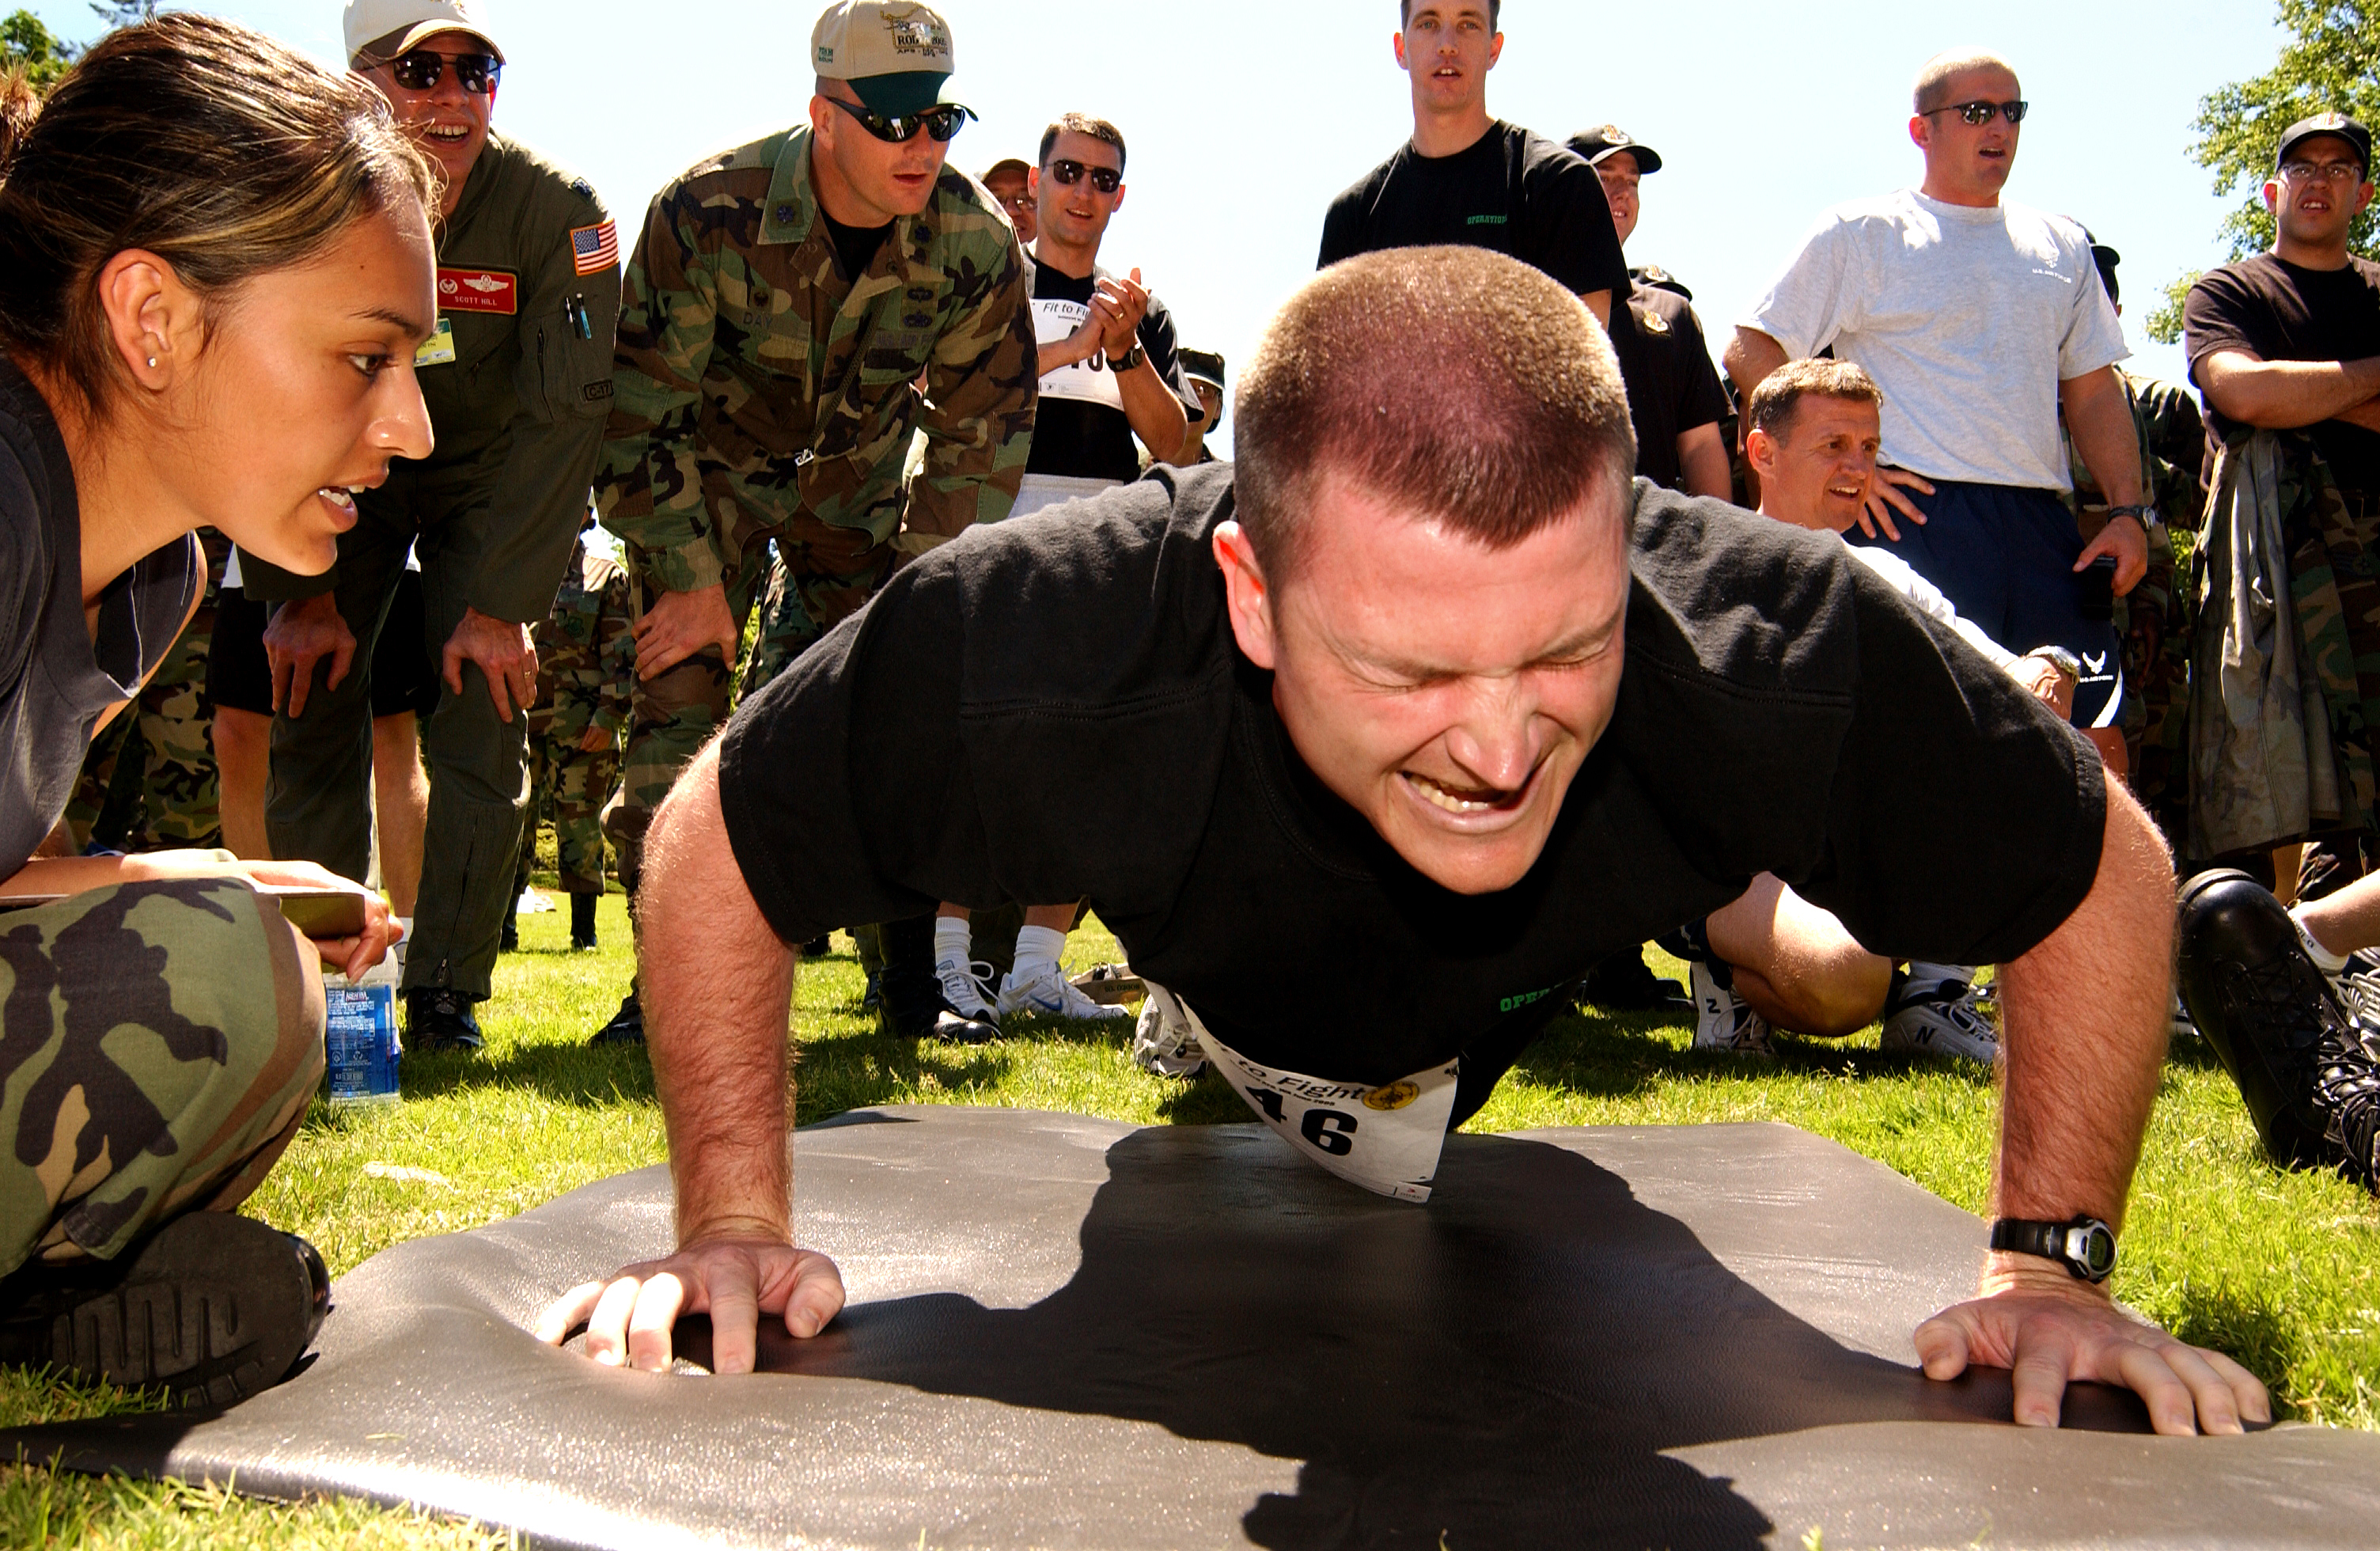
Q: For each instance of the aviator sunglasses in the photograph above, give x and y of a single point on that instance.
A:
(1068, 173)
(420, 69)
(1981, 112)
(942, 121)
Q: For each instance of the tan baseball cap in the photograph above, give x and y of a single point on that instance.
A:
(378, 30)
(895, 54)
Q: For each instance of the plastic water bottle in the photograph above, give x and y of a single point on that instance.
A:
(360, 1034)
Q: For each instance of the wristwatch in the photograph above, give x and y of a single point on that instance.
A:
(2085, 1246)
(2142, 515)
(2068, 665)
(1129, 360)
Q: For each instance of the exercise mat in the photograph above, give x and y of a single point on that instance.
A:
(1067, 1332)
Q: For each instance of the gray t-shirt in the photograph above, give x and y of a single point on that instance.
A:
(1967, 319)
(55, 678)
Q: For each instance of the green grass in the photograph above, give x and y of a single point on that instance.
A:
(2281, 1269)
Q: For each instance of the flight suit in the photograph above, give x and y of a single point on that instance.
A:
(518, 381)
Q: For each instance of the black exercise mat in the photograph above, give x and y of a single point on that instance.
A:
(1067, 1332)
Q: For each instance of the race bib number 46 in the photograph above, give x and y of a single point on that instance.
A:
(1384, 1137)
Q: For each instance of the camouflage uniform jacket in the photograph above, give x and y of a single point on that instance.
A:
(520, 411)
(586, 653)
(752, 376)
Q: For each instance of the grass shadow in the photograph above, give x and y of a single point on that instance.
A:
(2248, 1325)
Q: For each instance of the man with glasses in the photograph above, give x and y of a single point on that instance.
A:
(795, 310)
(517, 378)
(1474, 181)
(1011, 182)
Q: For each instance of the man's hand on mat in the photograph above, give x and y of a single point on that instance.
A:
(1884, 498)
(733, 1280)
(2050, 1333)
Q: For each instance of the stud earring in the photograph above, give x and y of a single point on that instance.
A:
(152, 361)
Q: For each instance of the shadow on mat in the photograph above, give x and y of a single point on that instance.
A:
(1504, 1367)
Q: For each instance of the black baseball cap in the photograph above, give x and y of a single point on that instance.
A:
(1204, 366)
(1605, 138)
(2337, 124)
(2106, 258)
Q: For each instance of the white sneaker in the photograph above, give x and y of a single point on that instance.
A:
(1050, 994)
(966, 989)
(1942, 1019)
(1163, 1044)
(1724, 1021)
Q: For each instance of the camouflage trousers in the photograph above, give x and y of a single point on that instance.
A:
(820, 576)
(573, 784)
(158, 1044)
(148, 781)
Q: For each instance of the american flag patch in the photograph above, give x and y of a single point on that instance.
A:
(594, 248)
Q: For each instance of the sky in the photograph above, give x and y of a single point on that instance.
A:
(1245, 117)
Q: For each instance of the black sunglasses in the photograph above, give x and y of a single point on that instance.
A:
(420, 69)
(1106, 180)
(942, 121)
(1981, 112)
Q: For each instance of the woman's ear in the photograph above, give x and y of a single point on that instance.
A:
(155, 322)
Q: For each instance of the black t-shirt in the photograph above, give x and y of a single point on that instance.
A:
(1512, 191)
(2278, 311)
(1672, 387)
(1078, 438)
(56, 677)
(855, 246)
(1049, 707)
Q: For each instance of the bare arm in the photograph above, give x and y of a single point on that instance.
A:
(718, 1052)
(1748, 359)
(1702, 462)
(1159, 418)
(2086, 1014)
(2099, 417)
(2284, 395)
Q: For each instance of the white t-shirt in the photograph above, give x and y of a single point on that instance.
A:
(1899, 575)
(1967, 319)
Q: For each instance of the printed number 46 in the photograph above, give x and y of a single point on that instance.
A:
(1326, 1128)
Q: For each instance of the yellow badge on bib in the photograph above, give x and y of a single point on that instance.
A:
(439, 349)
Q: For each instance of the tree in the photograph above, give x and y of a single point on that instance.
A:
(123, 13)
(2332, 62)
(27, 45)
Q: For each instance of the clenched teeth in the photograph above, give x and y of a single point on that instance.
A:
(1440, 797)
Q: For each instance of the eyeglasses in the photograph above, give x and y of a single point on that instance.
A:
(942, 121)
(1020, 200)
(420, 69)
(1981, 112)
(2329, 171)
(1106, 180)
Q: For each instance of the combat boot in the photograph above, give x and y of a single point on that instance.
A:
(438, 1021)
(582, 923)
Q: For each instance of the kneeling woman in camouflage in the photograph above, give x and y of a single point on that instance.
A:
(215, 270)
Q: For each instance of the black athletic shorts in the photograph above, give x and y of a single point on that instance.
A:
(240, 676)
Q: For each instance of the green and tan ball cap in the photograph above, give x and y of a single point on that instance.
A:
(896, 55)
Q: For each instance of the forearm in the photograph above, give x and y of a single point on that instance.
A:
(1703, 465)
(1748, 359)
(2087, 1011)
(2099, 417)
(2347, 920)
(2285, 395)
(718, 1040)
(1156, 417)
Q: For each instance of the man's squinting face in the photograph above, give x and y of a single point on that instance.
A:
(1970, 160)
(305, 390)
(2316, 210)
(1817, 473)
(1015, 193)
(1448, 49)
(1447, 691)
(1620, 178)
(447, 121)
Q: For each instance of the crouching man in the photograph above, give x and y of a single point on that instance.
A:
(1428, 688)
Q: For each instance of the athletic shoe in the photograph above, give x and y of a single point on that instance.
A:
(438, 1021)
(2309, 1076)
(967, 991)
(1724, 1021)
(628, 1025)
(1051, 994)
(1940, 1018)
(1623, 984)
(213, 1308)
(1163, 1044)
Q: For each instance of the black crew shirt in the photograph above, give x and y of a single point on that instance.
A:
(1078, 439)
(1053, 708)
(1672, 387)
(2280, 311)
(1515, 192)
(855, 246)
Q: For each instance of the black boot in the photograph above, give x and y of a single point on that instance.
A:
(1623, 984)
(628, 1025)
(508, 941)
(582, 923)
(912, 1006)
(438, 1020)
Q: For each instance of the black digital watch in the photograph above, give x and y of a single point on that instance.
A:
(2085, 1246)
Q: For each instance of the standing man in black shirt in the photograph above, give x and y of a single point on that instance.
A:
(1429, 687)
(1470, 180)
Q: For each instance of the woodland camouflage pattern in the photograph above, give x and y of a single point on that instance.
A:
(158, 1044)
(586, 662)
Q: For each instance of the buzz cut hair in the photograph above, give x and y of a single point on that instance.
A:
(1778, 400)
(1098, 129)
(1932, 89)
(1460, 385)
(1495, 14)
